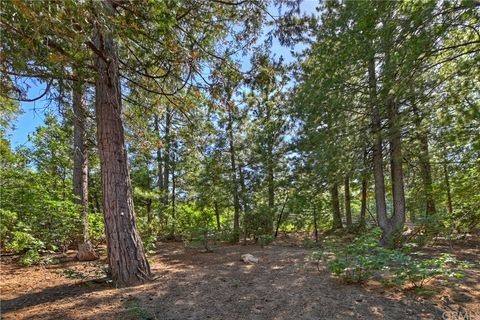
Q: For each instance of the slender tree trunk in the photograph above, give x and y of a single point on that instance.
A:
(126, 256)
(80, 156)
(398, 219)
(426, 170)
(80, 169)
(159, 159)
(447, 186)
(315, 224)
(425, 167)
(337, 217)
(97, 202)
(149, 210)
(271, 194)
(348, 205)
(246, 207)
(280, 216)
(378, 174)
(363, 208)
(217, 215)
(174, 186)
(236, 201)
(166, 166)
(270, 175)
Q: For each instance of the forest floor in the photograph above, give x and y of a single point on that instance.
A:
(194, 285)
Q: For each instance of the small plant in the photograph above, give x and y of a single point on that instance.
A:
(265, 239)
(309, 243)
(73, 274)
(136, 311)
(29, 258)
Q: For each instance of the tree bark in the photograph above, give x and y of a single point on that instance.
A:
(280, 216)
(315, 225)
(270, 176)
(159, 159)
(398, 219)
(174, 187)
(126, 256)
(337, 217)
(447, 186)
(245, 205)
(80, 156)
(378, 174)
(348, 205)
(166, 165)
(236, 201)
(425, 167)
(426, 171)
(80, 169)
(217, 216)
(363, 208)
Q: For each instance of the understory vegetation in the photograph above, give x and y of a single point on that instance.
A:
(362, 259)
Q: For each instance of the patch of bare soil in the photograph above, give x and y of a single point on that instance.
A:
(217, 285)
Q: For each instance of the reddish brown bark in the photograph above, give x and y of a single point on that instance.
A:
(126, 256)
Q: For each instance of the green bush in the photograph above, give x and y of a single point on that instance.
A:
(265, 239)
(419, 272)
(363, 259)
(8, 224)
(96, 228)
(24, 243)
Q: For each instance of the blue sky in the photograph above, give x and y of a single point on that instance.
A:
(33, 113)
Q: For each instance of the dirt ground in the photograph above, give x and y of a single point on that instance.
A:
(217, 285)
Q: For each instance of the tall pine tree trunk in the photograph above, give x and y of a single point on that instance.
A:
(348, 205)
(126, 256)
(245, 205)
(337, 216)
(424, 157)
(270, 175)
(217, 215)
(447, 186)
(80, 169)
(159, 159)
(236, 200)
(398, 219)
(363, 206)
(166, 165)
(378, 174)
(426, 171)
(271, 192)
(315, 225)
(174, 191)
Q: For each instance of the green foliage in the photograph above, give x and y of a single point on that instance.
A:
(136, 311)
(265, 239)
(149, 231)
(96, 228)
(73, 274)
(37, 203)
(418, 272)
(26, 244)
(363, 259)
(8, 224)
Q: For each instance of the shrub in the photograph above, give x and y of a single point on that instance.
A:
(419, 272)
(25, 244)
(265, 239)
(363, 259)
(8, 224)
